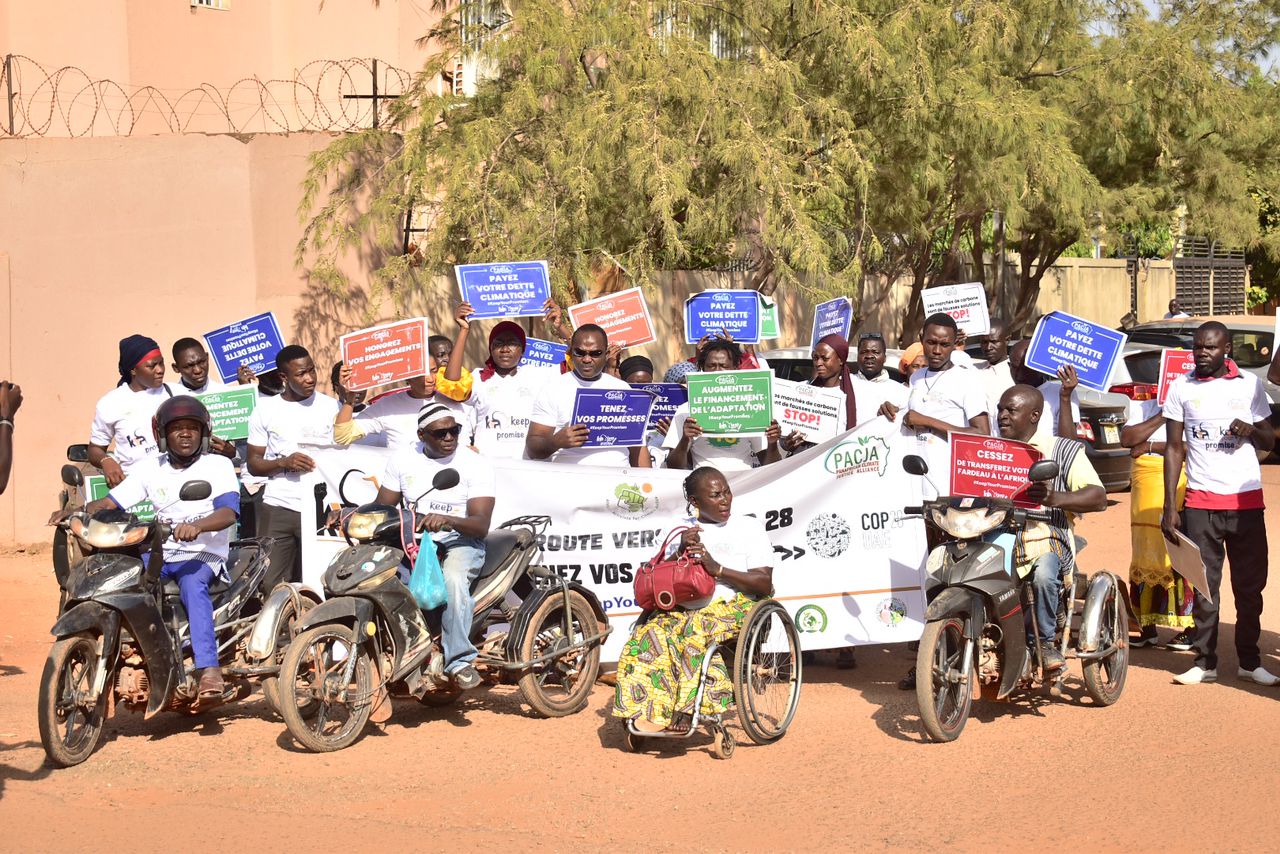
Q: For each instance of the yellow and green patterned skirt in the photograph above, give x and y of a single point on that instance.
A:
(1159, 595)
(659, 670)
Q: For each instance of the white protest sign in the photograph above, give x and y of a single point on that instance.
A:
(816, 412)
(966, 303)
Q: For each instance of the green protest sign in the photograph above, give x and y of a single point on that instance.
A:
(95, 488)
(230, 410)
(732, 403)
(768, 320)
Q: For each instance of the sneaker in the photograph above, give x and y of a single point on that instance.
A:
(1149, 637)
(908, 682)
(465, 677)
(1259, 675)
(1181, 641)
(1195, 676)
(1053, 660)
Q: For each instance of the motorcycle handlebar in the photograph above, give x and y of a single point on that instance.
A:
(917, 510)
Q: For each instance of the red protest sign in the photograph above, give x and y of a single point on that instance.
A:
(1173, 364)
(986, 467)
(623, 316)
(386, 354)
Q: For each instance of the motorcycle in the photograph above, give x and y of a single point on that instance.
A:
(975, 625)
(369, 641)
(121, 630)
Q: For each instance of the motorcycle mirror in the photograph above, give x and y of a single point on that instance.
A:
(1042, 470)
(195, 490)
(78, 453)
(915, 464)
(72, 476)
(446, 479)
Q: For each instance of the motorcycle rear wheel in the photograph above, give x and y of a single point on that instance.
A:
(289, 618)
(943, 700)
(69, 731)
(560, 685)
(313, 665)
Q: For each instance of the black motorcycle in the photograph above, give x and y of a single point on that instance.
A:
(975, 624)
(369, 641)
(122, 630)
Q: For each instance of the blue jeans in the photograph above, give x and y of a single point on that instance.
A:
(193, 577)
(460, 561)
(1046, 581)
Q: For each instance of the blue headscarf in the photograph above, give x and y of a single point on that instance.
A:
(133, 350)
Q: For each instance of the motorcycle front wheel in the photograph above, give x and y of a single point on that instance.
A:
(70, 723)
(1104, 678)
(324, 711)
(944, 696)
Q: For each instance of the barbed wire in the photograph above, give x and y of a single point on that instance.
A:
(68, 102)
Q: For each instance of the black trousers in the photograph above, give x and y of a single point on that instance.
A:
(1240, 535)
(285, 527)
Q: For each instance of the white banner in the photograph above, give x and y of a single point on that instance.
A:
(966, 303)
(816, 412)
(847, 564)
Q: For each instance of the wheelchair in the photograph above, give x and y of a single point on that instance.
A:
(764, 661)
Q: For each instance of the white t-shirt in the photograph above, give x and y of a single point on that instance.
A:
(124, 416)
(741, 543)
(1217, 461)
(1052, 405)
(395, 416)
(553, 407)
(502, 406)
(996, 379)
(284, 427)
(156, 480)
(1141, 410)
(410, 472)
(210, 384)
(882, 377)
(726, 453)
(870, 395)
(954, 396)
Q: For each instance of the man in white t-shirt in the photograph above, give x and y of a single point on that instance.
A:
(551, 435)
(875, 386)
(121, 434)
(997, 374)
(1061, 402)
(191, 362)
(393, 416)
(1217, 419)
(457, 519)
(281, 430)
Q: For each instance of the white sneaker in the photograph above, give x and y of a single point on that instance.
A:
(1259, 675)
(1195, 676)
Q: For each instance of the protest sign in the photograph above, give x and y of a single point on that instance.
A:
(833, 317)
(965, 303)
(1173, 364)
(539, 352)
(623, 316)
(735, 313)
(816, 412)
(1063, 339)
(768, 320)
(731, 403)
(253, 342)
(229, 411)
(847, 561)
(95, 488)
(386, 354)
(509, 289)
(615, 417)
(667, 398)
(986, 467)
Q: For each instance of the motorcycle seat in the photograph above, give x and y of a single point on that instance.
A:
(238, 560)
(498, 546)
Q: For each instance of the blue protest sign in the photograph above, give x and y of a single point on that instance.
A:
(515, 289)
(539, 352)
(667, 398)
(714, 312)
(1062, 339)
(835, 316)
(253, 342)
(616, 417)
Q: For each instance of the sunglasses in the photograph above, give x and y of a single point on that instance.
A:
(594, 354)
(454, 431)
(870, 336)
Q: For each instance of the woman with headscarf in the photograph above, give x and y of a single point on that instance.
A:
(831, 370)
(123, 415)
(912, 360)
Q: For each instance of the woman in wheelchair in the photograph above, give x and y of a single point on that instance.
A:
(661, 664)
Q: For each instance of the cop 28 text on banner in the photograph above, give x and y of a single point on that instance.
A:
(847, 563)
(253, 342)
(987, 467)
(724, 312)
(623, 316)
(1173, 364)
(614, 417)
(965, 303)
(386, 354)
(1062, 339)
(507, 289)
(731, 403)
(833, 317)
(816, 412)
(539, 352)
(229, 411)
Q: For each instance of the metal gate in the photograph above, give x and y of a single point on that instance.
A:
(1209, 279)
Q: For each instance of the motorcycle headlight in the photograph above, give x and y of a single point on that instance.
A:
(361, 526)
(108, 535)
(968, 524)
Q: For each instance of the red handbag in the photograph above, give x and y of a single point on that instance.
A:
(664, 583)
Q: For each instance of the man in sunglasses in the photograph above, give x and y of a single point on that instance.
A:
(875, 386)
(551, 435)
(457, 520)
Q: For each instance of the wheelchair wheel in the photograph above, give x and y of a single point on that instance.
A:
(722, 747)
(766, 672)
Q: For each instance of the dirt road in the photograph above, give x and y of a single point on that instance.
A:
(1170, 768)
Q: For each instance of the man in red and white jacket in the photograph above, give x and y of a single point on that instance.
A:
(1217, 421)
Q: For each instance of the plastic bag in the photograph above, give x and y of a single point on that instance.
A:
(426, 583)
